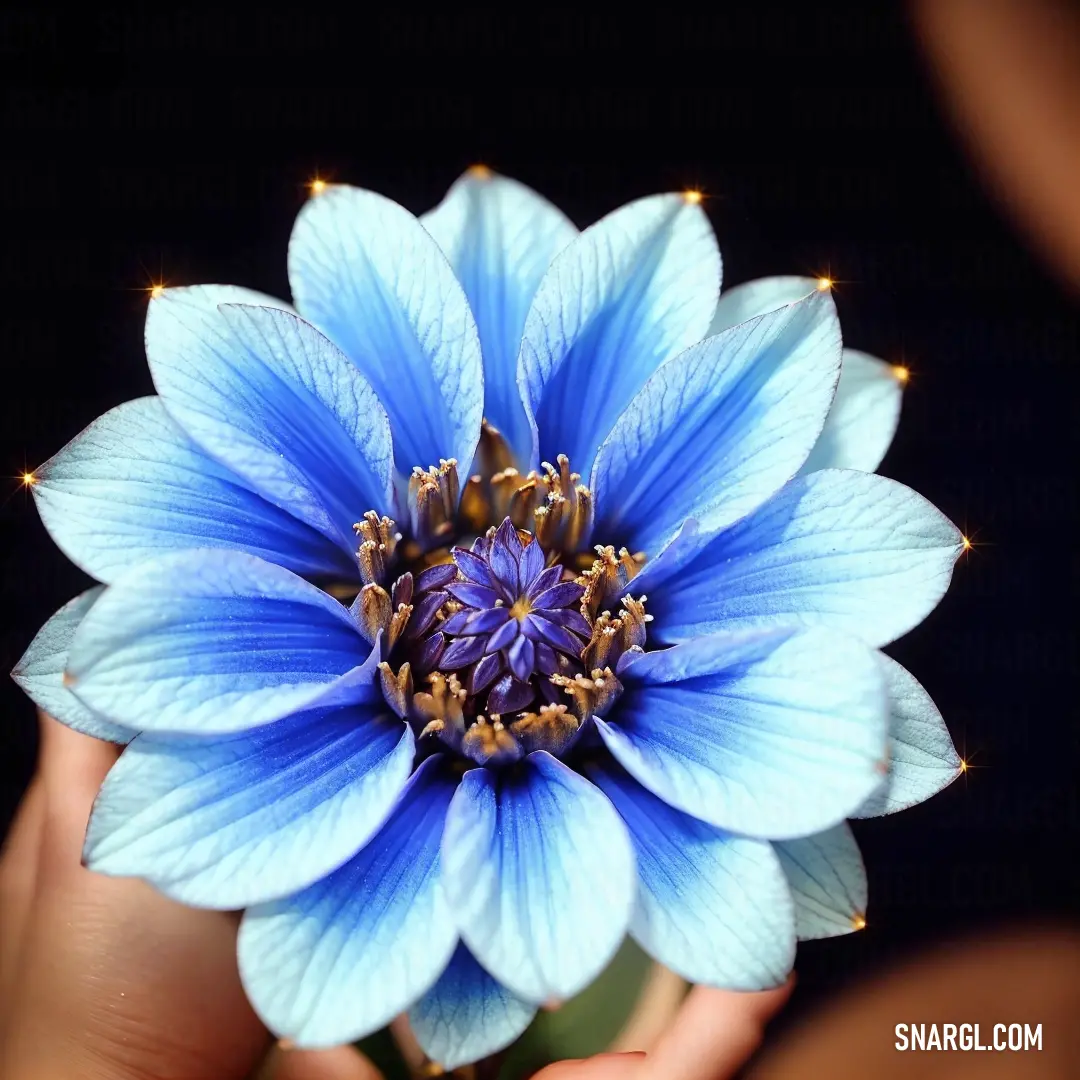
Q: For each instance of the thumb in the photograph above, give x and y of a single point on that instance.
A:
(113, 977)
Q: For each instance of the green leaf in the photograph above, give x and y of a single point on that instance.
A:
(586, 1024)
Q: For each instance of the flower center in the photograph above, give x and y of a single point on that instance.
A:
(510, 645)
(521, 607)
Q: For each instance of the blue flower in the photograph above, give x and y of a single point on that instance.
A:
(447, 720)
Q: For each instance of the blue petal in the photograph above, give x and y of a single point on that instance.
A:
(40, 673)
(467, 1014)
(133, 486)
(630, 292)
(863, 419)
(500, 238)
(712, 907)
(849, 550)
(342, 958)
(828, 882)
(720, 428)
(212, 642)
(751, 299)
(270, 397)
(230, 822)
(922, 758)
(539, 871)
(866, 410)
(770, 733)
(368, 274)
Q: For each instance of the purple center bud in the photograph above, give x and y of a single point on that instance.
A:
(497, 653)
(516, 621)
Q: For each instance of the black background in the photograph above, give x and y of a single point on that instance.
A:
(173, 146)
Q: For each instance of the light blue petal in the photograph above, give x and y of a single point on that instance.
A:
(838, 548)
(863, 419)
(922, 758)
(467, 1014)
(500, 238)
(771, 734)
(712, 907)
(227, 823)
(212, 642)
(133, 486)
(275, 401)
(720, 428)
(368, 274)
(630, 292)
(752, 299)
(828, 882)
(866, 409)
(40, 673)
(539, 871)
(344, 957)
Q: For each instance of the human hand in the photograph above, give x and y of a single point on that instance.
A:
(105, 978)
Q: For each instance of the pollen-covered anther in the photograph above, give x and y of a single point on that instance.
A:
(552, 728)
(565, 518)
(614, 637)
(433, 502)
(606, 580)
(443, 703)
(397, 689)
(592, 695)
(373, 611)
(488, 741)
(378, 542)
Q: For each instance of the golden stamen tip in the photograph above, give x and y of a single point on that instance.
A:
(480, 172)
(824, 284)
(317, 186)
(901, 374)
(693, 197)
(858, 921)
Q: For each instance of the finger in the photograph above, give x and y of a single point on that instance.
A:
(114, 976)
(18, 874)
(625, 1066)
(1011, 74)
(340, 1063)
(1030, 977)
(714, 1033)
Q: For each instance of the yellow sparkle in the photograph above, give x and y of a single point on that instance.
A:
(963, 765)
(693, 197)
(967, 543)
(156, 291)
(901, 374)
(317, 186)
(480, 172)
(824, 284)
(29, 479)
(858, 922)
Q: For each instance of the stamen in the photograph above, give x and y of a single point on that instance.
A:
(606, 580)
(490, 743)
(397, 689)
(433, 502)
(553, 728)
(591, 696)
(379, 539)
(444, 704)
(613, 637)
